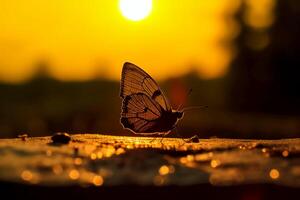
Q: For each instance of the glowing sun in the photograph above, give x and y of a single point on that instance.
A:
(135, 9)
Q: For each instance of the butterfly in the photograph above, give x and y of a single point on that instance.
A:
(145, 109)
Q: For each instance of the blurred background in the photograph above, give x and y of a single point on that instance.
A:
(61, 62)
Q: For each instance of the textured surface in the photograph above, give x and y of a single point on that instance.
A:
(92, 159)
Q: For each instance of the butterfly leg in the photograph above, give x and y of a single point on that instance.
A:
(153, 139)
(158, 134)
(163, 136)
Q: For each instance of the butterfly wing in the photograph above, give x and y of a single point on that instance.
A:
(135, 80)
(140, 113)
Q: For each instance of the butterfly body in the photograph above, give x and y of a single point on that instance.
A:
(145, 109)
(168, 121)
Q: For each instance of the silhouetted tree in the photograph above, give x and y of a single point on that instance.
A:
(264, 76)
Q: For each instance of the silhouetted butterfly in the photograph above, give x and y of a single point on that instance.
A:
(145, 109)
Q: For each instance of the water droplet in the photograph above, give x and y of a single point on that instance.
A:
(74, 174)
(98, 180)
(190, 158)
(183, 160)
(57, 169)
(100, 155)
(93, 156)
(164, 170)
(285, 153)
(26, 175)
(274, 173)
(77, 161)
(89, 149)
(215, 163)
(120, 151)
(264, 150)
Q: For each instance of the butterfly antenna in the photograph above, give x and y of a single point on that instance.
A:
(187, 94)
(193, 108)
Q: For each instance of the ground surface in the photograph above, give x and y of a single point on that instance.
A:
(99, 160)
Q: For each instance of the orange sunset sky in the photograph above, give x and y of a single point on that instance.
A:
(82, 38)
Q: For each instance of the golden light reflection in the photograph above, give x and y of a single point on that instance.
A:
(98, 180)
(266, 152)
(164, 170)
(89, 148)
(26, 175)
(129, 146)
(93, 156)
(109, 152)
(274, 174)
(99, 155)
(74, 174)
(182, 148)
(57, 169)
(204, 156)
(77, 161)
(215, 163)
(190, 158)
(285, 153)
(183, 160)
(120, 151)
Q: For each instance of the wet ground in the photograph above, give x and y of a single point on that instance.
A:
(101, 161)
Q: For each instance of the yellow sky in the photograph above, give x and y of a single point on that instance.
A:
(80, 38)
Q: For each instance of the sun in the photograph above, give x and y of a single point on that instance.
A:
(135, 10)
